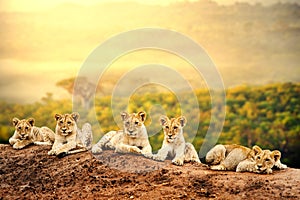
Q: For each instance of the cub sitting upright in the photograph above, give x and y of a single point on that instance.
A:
(68, 137)
(26, 133)
(133, 138)
(174, 144)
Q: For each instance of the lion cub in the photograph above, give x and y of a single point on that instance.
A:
(174, 144)
(133, 138)
(263, 162)
(68, 137)
(227, 157)
(240, 158)
(26, 133)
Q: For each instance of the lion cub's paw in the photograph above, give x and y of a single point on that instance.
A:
(269, 171)
(280, 166)
(283, 166)
(177, 161)
(148, 155)
(158, 157)
(18, 146)
(195, 160)
(135, 150)
(218, 167)
(51, 152)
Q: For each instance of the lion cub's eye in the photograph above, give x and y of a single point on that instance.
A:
(19, 127)
(136, 123)
(61, 121)
(167, 127)
(267, 159)
(69, 123)
(258, 157)
(175, 127)
(26, 128)
(127, 123)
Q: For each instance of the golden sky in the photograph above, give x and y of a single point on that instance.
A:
(40, 5)
(34, 5)
(41, 48)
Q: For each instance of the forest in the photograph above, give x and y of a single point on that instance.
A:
(268, 116)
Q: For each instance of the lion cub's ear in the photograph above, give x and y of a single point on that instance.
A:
(57, 116)
(276, 155)
(142, 115)
(182, 120)
(15, 121)
(256, 149)
(124, 115)
(75, 116)
(163, 120)
(31, 121)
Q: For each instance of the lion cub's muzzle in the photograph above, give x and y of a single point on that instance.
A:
(131, 133)
(260, 168)
(24, 137)
(170, 138)
(65, 131)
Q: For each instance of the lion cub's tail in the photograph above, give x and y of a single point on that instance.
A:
(61, 155)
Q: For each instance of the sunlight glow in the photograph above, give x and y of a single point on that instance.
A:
(42, 5)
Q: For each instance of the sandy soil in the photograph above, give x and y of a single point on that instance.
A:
(31, 174)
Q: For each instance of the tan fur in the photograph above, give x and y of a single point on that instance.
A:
(227, 157)
(174, 144)
(133, 138)
(68, 137)
(263, 161)
(240, 158)
(26, 133)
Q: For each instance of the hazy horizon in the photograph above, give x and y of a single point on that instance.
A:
(250, 45)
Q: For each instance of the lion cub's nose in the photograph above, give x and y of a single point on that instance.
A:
(130, 131)
(259, 166)
(64, 129)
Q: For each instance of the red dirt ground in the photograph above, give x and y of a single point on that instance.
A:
(31, 174)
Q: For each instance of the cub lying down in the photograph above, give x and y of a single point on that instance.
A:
(26, 133)
(69, 138)
(133, 138)
(240, 159)
(263, 162)
(174, 144)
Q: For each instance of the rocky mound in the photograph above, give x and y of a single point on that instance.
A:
(31, 174)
